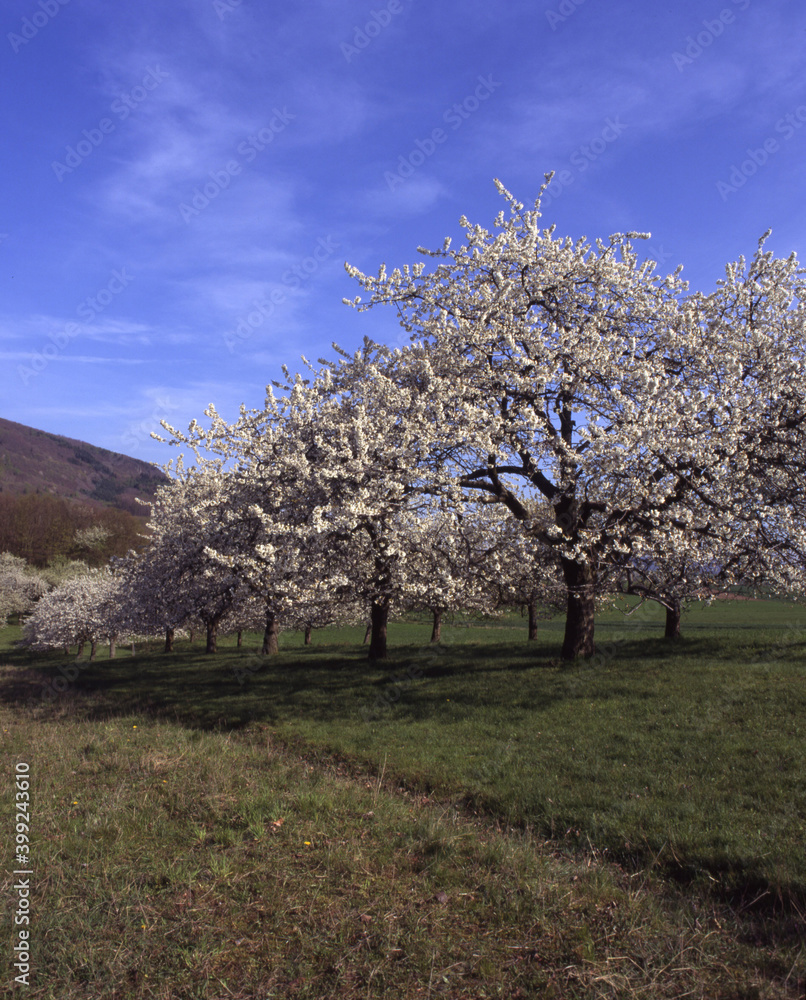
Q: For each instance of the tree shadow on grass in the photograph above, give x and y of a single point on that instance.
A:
(323, 683)
(199, 691)
(768, 914)
(336, 685)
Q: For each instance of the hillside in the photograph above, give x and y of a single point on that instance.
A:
(62, 499)
(33, 461)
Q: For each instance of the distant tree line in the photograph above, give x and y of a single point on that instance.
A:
(40, 528)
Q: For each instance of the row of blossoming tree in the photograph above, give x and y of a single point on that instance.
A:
(563, 424)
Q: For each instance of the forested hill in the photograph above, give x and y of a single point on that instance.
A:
(65, 498)
(33, 461)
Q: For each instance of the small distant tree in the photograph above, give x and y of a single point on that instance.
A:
(672, 584)
(475, 561)
(180, 565)
(91, 538)
(531, 575)
(60, 569)
(319, 607)
(83, 609)
(20, 587)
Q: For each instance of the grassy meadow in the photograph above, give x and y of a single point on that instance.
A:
(470, 820)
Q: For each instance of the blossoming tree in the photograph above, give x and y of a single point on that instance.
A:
(570, 374)
(325, 489)
(83, 609)
(187, 583)
(20, 586)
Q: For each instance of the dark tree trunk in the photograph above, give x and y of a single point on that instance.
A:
(93, 647)
(169, 640)
(191, 637)
(271, 644)
(80, 650)
(212, 637)
(112, 646)
(240, 639)
(380, 620)
(673, 620)
(308, 630)
(436, 631)
(532, 608)
(368, 632)
(580, 581)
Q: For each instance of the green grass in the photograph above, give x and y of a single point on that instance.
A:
(628, 828)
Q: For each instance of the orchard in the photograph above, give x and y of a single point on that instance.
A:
(564, 426)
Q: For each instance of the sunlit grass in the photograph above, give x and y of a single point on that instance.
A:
(323, 828)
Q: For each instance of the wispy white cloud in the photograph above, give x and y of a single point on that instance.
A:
(66, 357)
(404, 196)
(221, 77)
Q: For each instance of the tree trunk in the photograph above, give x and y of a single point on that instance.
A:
(271, 645)
(673, 620)
(580, 581)
(212, 637)
(532, 608)
(308, 630)
(80, 650)
(191, 637)
(92, 650)
(169, 640)
(368, 632)
(112, 646)
(240, 639)
(436, 631)
(379, 622)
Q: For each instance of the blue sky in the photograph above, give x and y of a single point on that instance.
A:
(183, 181)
